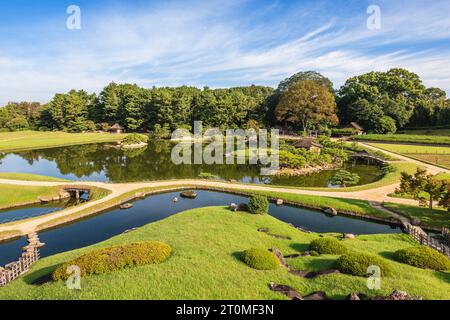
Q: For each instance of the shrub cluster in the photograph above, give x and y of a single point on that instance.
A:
(208, 176)
(258, 205)
(260, 259)
(111, 259)
(423, 257)
(327, 246)
(357, 264)
(134, 138)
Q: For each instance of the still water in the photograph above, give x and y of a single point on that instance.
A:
(157, 207)
(101, 162)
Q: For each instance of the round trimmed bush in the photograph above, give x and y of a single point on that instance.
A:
(115, 258)
(258, 205)
(423, 257)
(260, 259)
(327, 246)
(357, 263)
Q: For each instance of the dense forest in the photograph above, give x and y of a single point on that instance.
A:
(381, 102)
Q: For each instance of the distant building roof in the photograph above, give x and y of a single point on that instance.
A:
(356, 126)
(307, 143)
(116, 127)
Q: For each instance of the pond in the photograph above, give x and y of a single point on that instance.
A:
(101, 162)
(157, 207)
(29, 211)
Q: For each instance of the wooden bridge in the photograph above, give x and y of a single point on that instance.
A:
(77, 191)
(368, 156)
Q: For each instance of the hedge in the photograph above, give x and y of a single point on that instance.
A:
(116, 258)
(258, 205)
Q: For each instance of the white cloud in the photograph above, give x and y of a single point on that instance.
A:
(212, 45)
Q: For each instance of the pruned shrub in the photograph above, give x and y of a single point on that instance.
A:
(328, 246)
(357, 264)
(260, 259)
(423, 257)
(134, 138)
(116, 258)
(258, 205)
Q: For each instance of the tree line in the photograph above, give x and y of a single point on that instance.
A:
(382, 102)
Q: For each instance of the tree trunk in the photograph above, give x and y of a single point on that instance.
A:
(431, 202)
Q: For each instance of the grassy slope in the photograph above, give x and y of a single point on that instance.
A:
(405, 138)
(28, 177)
(23, 140)
(204, 265)
(16, 195)
(436, 218)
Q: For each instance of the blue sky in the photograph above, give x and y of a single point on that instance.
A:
(213, 43)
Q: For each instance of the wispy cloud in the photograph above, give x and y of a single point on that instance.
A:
(216, 44)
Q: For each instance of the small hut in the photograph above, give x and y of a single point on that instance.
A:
(309, 144)
(117, 129)
(359, 130)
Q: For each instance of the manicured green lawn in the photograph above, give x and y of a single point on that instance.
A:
(28, 177)
(409, 138)
(429, 132)
(439, 156)
(13, 141)
(205, 264)
(436, 218)
(16, 195)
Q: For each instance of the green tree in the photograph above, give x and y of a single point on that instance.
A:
(420, 183)
(18, 124)
(344, 178)
(307, 104)
(397, 92)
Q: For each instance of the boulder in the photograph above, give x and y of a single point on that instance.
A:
(280, 257)
(188, 194)
(319, 295)
(330, 211)
(280, 202)
(356, 296)
(126, 206)
(265, 230)
(398, 295)
(233, 207)
(175, 200)
(415, 222)
(243, 207)
(286, 290)
(348, 236)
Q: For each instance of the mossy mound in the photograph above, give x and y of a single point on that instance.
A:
(423, 257)
(357, 264)
(260, 259)
(328, 246)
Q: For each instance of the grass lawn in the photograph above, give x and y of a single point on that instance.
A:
(14, 141)
(28, 177)
(436, 218)
(409, 138)
(17, 195)
(429, 132)
(435, 155)
(388, 179)
(205, 264)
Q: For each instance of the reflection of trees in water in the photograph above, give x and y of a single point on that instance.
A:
(151, 163)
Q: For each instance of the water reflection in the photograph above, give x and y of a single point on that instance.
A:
(101, 162)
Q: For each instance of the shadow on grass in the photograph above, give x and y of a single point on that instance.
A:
(299, 247)
(41, 276)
